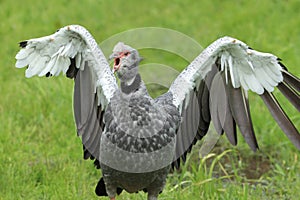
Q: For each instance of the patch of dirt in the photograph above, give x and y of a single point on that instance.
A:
(247, 165)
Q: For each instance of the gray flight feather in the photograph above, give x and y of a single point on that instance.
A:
(240, 112)
(290, 94)
(291, 80)
(281, 118)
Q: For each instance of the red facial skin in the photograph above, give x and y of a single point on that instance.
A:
(117, 63)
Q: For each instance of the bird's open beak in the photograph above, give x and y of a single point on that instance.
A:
(117, 64)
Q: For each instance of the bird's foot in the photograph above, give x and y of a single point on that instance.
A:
(112, 198)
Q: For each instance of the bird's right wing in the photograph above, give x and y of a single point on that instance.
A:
(73, 51)
(214, 88)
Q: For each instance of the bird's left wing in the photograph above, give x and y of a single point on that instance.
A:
(214, 88)
(73, 51)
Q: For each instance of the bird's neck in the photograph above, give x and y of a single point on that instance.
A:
(131, 85)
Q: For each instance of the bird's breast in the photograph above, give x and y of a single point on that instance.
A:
(139, 135)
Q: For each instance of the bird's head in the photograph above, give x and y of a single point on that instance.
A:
(126, 61)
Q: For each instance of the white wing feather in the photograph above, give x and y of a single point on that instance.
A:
(51, 54)
(247, 68)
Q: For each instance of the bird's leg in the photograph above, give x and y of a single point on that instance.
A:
(112, 198)
(152, 197)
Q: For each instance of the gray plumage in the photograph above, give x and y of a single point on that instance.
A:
(139, 132)
(135, 139)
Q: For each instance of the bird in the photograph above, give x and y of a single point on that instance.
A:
(135, 139)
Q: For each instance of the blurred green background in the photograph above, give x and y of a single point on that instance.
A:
(40, 155)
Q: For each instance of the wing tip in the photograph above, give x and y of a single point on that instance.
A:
(255, 148)
(23, 44)
(281, 64)
(282, 119)
(48, 74)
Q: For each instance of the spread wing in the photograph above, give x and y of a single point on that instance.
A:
(73, 51)
(214, 88)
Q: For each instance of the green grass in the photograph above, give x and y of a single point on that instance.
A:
(40, 155)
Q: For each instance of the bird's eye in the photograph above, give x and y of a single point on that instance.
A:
(126, 53)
